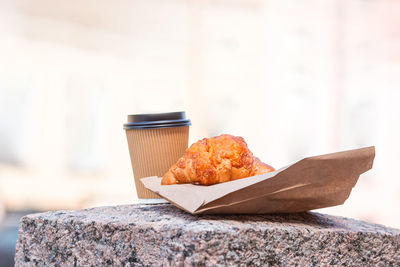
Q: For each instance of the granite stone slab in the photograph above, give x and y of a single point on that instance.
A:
(163, 235)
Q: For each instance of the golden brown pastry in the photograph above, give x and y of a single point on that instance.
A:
(215, 160)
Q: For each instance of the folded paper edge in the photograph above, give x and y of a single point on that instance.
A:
(147, 183)
(201, 211)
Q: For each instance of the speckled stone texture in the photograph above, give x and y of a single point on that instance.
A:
(162, 235)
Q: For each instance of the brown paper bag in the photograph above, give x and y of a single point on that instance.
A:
(311, 183)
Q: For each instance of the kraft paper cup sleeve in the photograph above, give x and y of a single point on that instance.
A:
(310, 183)
(153, 151)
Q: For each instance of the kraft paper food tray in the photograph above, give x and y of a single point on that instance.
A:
(310, 183)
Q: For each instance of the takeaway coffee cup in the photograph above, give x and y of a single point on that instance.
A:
(156, 141)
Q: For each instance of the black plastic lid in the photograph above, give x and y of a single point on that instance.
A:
(156, 120)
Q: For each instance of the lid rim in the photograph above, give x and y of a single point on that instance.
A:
(157, 122)
(155, 126)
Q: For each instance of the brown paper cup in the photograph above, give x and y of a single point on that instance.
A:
(153, 151)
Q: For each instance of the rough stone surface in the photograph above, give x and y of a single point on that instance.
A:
(162, 235)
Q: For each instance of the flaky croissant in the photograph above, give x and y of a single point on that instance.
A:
(215, 160)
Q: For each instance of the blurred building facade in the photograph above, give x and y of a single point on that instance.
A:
(294, 78)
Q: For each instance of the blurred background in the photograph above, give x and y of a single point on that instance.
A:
(294, 78)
